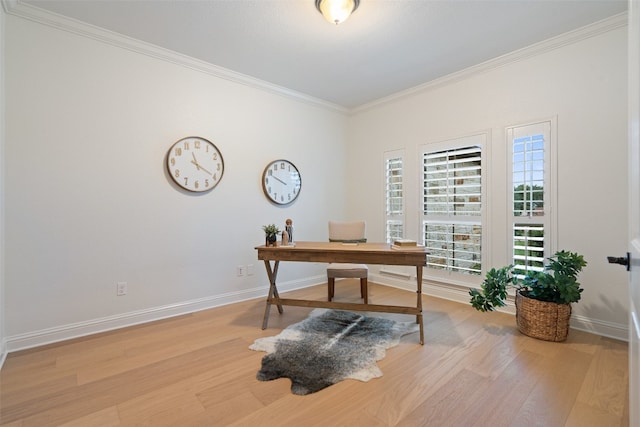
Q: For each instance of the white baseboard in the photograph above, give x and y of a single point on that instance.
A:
(3, 352)
(450, 292)
(606, 329)
(104, 324)
(459, 293)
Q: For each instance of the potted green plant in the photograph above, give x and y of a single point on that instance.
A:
(543, 298)
(271, 234)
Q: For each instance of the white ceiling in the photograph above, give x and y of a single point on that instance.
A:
(387, 46)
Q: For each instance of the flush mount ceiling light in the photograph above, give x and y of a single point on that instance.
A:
(336, 11)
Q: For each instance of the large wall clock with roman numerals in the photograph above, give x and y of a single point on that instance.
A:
(195, 164)
(281, 182)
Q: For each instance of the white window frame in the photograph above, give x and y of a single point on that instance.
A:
(548, 218)
(394, 217)
(447, 274)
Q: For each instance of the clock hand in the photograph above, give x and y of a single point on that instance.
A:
(200, 167)
(279, 180)
(195, 161)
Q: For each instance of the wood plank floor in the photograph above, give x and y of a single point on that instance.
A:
(475, 369)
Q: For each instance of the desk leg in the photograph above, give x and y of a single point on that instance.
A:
(273, 290)
(419, 319)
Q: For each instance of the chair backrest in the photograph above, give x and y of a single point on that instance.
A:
(347, 231)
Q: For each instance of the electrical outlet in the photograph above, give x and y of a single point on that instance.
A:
(121, 288)
(250, 270)
(240, 270)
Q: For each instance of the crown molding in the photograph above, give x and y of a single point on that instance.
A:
(7, 5)
(571, 37)
(60, 22)
(32, 13)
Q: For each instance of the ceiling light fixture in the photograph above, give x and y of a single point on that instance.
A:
(336, 11)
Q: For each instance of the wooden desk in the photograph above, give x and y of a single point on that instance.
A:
(364, 253)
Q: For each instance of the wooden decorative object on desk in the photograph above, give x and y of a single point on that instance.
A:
(407, 248)
(405, 242)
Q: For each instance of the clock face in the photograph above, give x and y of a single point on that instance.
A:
(195, 164)
(281, 182)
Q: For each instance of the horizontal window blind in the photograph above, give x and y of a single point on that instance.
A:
(528, 248)
(452, 182)
(394, 186)
(395, 230)
(454, 247)
(394, 196)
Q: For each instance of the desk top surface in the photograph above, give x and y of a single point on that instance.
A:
(337, 246)
(373, 253)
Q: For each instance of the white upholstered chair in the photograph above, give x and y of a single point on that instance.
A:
(347, 232)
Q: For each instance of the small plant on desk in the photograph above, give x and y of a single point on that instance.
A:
(270, 234)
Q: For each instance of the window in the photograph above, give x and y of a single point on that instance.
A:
(452, 213)
(394, 195)
(531, 198)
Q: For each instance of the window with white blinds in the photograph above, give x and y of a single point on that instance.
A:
(530, 180)
(394, 196)
(452, 214)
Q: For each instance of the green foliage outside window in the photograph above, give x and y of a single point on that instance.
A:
(528, 200)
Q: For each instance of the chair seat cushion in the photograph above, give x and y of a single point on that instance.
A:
(347, 270)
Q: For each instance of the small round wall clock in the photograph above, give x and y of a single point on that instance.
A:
(195, 164)
(281, 182)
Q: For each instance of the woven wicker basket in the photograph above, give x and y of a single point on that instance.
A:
(547, 321)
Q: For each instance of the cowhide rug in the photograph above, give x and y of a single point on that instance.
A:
(327, 347)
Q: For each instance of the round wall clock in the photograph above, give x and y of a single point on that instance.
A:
(281, 182)
(195, 164)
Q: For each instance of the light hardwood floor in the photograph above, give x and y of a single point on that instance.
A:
(475, 369)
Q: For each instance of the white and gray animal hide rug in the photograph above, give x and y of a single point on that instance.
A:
(327, 347)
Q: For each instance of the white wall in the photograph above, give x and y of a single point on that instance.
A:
(89, 204)
(582, 84)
